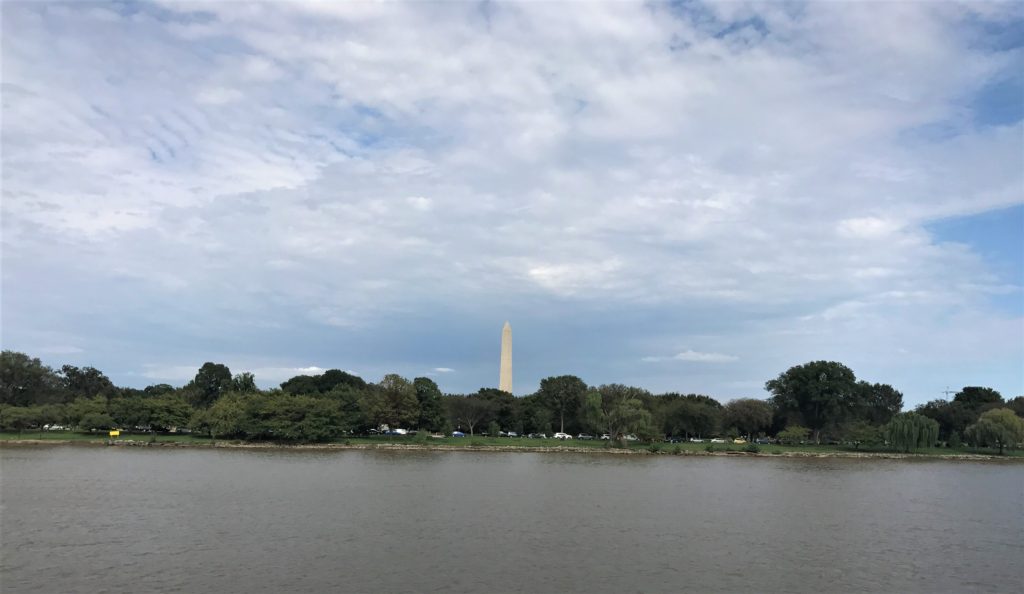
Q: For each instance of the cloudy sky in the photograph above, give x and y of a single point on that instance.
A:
(682, 196)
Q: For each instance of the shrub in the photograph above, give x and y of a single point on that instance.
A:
(653, 448)
(676, 450)
(752, 448)
(709, 448)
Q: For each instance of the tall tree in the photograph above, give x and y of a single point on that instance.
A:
(469, 411)
(431, 409)
(877, 403)
(748, 415)
(978, 398)
(819, 393)
(617, 410)
(392, 402)
(563, 395)
(211, 381)
(25, 381)
(86, 382)
(244, 382)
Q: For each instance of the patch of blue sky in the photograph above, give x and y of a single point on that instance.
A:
(1001, 102)
(998, 237)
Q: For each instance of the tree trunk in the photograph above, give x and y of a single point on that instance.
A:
(561, 421)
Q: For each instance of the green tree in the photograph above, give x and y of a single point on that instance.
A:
(1016, 405)
(244, 382)
(86, 382)
(82, 407)
(392, 402)
(793, 434)
(17, 418)
(93, 421)
(25, 381)
(820, 394)
(952, 417)
(431, 409)
(617, 410)
(691, 415)
(860, 432)
(168, 412)
(563, 395)
(976, 398)
(999, 427)
(910, 431)
(211, 382)
(748, 415)
(469, 411)
(877, 403)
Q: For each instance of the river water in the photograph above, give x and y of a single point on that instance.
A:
(80, 519)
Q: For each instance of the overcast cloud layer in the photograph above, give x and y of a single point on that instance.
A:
(682, 197)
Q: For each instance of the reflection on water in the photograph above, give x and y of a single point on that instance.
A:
(120, 519)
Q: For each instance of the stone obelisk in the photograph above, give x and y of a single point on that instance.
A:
(505, 377)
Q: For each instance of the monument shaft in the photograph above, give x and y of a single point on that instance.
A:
(505, 377)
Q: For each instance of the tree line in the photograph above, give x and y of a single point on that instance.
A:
(820, 401)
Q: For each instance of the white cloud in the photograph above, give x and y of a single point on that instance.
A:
(320, 161)
(694, 356)
(444, 370)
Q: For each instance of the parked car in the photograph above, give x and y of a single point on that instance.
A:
(584, 436)
(763, 440)
(537, 436)
(696, 440)
(458, 434)
(674, 439)
(511, 434)
(561, 435)
(739, 440)
(605, 436)
(717, 440)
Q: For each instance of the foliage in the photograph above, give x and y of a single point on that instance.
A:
(877, 403)
(563, 395)
(25, 381)
(690, 415)
(860, 432)
(819, 393)
(911, 431)
(617, 410)
(392, 402)
(431, 408)
(493, 429)
(211, 382)
(997, 428)
(793, 434)
(748, 415)
(752, 448)
(467, 411)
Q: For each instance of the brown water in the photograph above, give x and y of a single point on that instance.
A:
(118, 520)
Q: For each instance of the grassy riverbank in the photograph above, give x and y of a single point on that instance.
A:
(506, 444)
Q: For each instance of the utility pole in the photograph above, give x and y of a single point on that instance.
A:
(947, 392)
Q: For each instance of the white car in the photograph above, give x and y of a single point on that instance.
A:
(630, 437)
(561, 435)
(718, 440)
(696, 440)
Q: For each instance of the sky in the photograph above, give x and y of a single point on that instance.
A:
(680, 196)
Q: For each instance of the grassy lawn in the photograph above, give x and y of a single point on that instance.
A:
(99, 436)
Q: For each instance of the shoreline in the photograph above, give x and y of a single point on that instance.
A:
(494, 448)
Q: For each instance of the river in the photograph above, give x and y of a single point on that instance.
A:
(87, 519)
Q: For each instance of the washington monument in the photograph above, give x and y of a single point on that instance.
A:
(505, 377)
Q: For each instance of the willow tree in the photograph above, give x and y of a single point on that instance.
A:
(910, 431)
(999, 427)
